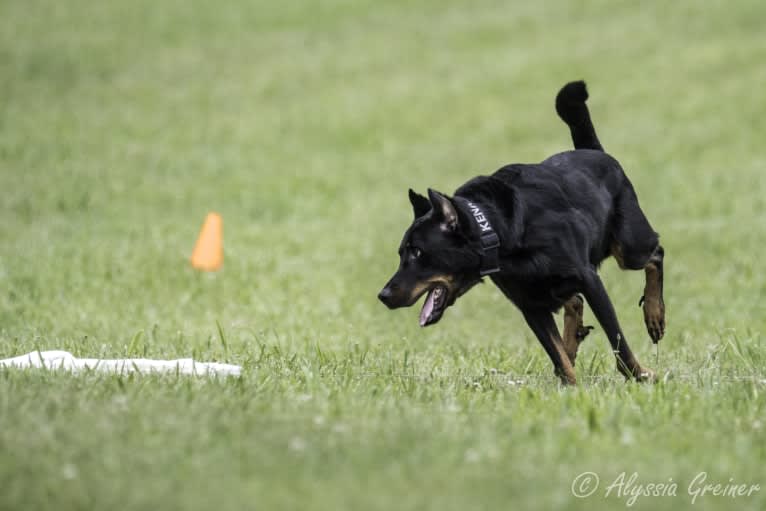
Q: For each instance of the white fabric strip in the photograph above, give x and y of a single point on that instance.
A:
(65, 360)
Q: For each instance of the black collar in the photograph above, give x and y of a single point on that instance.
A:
(488, 238)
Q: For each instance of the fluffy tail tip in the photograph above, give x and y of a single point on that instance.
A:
(574, 92)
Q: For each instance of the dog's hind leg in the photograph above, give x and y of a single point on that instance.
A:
(574, 331)
(636, 246)
(653, 301)
(544, 327)
(599, 302)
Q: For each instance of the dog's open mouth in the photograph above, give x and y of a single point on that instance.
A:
(434, 306)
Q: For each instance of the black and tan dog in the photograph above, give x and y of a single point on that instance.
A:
(540, 232)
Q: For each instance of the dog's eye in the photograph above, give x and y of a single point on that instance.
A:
(416, 253)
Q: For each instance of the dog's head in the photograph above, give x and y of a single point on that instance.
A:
(435, 258)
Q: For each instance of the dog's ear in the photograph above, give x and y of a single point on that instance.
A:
(420, 205)
(444, 209)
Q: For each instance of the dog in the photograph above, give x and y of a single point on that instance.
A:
(539, 232)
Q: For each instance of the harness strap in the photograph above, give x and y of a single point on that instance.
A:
(490, 260)
(489, 240)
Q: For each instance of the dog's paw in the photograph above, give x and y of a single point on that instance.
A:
(567, 377)
(641, 375)
(654, 317)
(645, 375)
(636, 372)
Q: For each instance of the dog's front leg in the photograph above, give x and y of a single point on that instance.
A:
(601, 305)
(543, 325)
(574, 331)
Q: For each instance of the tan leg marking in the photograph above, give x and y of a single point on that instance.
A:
(616, 251)
(566, 371)
(574, 331)
(653, 302)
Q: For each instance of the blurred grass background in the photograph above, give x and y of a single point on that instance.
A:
(304, 123)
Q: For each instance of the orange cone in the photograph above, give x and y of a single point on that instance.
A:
(208, 252)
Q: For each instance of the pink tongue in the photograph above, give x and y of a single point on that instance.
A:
(428, 308)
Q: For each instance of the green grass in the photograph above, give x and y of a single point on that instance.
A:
(303, 123)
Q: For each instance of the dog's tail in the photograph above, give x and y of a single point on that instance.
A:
(570, 105)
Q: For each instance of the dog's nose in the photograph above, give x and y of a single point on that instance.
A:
(385, 295)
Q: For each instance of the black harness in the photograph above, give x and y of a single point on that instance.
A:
(488, 238)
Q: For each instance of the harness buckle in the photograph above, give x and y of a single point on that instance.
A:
(490, 261)
(490, 240)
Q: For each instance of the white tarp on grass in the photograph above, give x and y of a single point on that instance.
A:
(67, 361)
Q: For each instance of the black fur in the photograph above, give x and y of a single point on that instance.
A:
(557, 221)
(570, 105)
